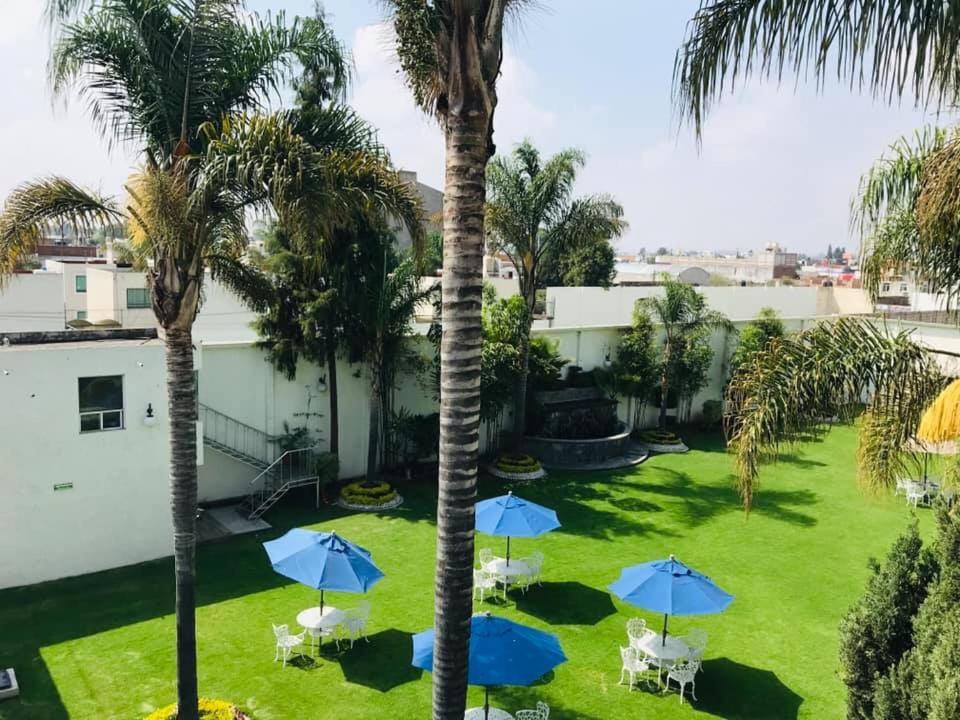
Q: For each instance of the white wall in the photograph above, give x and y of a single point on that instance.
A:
(107, 297)
(588, 307)
(32, 302)
(116, 513)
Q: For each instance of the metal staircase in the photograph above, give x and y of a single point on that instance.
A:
(254, 447)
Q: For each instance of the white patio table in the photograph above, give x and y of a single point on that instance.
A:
(507, 574)
(319, 622)
(653, 647)
(495, 713)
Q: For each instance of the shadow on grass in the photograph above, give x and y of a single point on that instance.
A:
(382, 664)
(697, 503)
(734, 691)
(566, 603)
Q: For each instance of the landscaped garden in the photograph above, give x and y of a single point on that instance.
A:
(99, 646)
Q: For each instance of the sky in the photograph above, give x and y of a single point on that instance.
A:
(776, 163)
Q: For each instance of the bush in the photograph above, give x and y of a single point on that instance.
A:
(327, 467)
(209, 710)
(368, 493)
(656, 437)
(877, 631)
(712, 412)
(517, 464)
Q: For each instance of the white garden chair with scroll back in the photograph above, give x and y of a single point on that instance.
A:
(354, 624)
(286, 643)
(684, 673)
(542, 712)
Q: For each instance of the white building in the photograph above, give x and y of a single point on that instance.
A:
(772, 264)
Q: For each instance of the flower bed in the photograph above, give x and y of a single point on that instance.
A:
(517, 467)
(209, 710)
(662, 441)
(369, 496)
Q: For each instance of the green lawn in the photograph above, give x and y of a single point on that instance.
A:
(101, 646)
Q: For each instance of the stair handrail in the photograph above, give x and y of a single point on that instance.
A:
(234, 434)
(278, 466)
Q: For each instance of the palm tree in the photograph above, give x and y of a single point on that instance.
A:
(532, 216)
(685, 318)
(174, 78)
(451, 52)
(385, 299)
(907, 210)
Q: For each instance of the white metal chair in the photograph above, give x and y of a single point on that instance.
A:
(684, 673)
(696, 640)
(483, 583)
(542, 712)
(534, 564)
(637, 631)
(901, 488)
(634, 664)
(354, 624)
(916, 494)
(486, 557)
(286, 642)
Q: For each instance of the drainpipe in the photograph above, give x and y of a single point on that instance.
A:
(577, 360)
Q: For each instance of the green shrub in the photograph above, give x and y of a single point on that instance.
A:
(712, 412)
(656, 437)
(369, 500)
(368, 493)
(209, 710)
(517, 464)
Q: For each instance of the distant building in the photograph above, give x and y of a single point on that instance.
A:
(652, 274)
(772, 264)
(432, 200)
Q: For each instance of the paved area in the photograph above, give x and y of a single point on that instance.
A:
(636, 454)
(224, 521)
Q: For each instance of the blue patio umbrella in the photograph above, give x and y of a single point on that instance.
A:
(671, 588)
(323, 561)
(502, 652)
(513, 516)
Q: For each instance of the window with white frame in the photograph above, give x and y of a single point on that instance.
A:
(885, 287)
(137, 298)
(80, 283)
(101, 403)
(81, 314)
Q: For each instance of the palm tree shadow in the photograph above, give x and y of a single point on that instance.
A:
(566, 603)
(734, 691)
(382, 664)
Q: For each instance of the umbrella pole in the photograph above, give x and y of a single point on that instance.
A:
(664, 641)
(925, 469)
(508, 551)
(486, 702)
(321, 602)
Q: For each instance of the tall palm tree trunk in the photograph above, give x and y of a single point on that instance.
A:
(182, 409)
(467, 153)
(376, 410)
(334, 399)
(664, 388)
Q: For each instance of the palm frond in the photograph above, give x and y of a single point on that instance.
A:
(246, 281)
(893, 49)
(800, 382)
(32, 205)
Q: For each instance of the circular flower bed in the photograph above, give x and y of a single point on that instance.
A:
(209, 710)
(662, 441)
(373, 495)
(517, 467)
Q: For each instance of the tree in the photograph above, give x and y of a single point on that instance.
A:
(386, 296)
(907, 210)
(756, 336)
(589, 264)
(685, 317)
(877, 631)
(635, 371)
(532, 215)
(451, 52)
(312, 307)
(175, 78)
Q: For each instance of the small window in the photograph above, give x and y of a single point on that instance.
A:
(137, 298)
(81, 314)
(885, 287)
(101, 403)
(903, 287)
(80, 283)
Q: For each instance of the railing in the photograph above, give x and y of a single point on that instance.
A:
(239, 437)
(292, 468)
